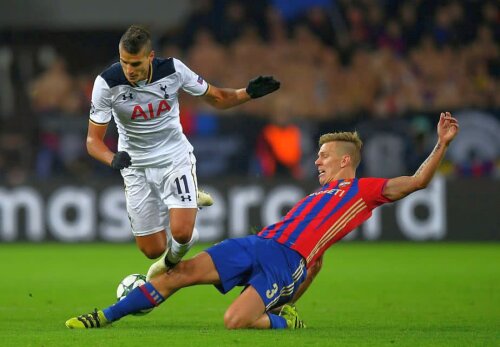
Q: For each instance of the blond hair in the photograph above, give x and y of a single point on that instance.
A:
(351, 144)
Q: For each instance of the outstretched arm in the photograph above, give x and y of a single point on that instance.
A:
(223, 98)
(399, 187)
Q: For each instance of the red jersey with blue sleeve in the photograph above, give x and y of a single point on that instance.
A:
(327, 215)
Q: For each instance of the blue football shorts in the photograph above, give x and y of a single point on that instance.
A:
(274, 270)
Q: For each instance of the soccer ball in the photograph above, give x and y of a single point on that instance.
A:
(127, 285)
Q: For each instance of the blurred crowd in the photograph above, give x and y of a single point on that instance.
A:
(340, 63)
(384, 58)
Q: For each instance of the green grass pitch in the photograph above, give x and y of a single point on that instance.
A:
(368, 294)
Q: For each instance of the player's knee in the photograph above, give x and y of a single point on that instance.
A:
(153, 252)
(182, 235)
(233, 320)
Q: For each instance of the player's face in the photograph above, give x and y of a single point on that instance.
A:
(136, 66)
(328, 162)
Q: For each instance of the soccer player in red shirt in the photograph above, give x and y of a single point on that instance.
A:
(273, 265)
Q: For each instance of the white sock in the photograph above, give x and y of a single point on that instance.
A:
(178, 250)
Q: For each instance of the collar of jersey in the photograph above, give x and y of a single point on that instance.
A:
(146, 81)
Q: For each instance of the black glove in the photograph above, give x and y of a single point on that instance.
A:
(121, 160)
(261, 86)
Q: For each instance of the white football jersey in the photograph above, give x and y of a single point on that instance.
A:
(147, 115)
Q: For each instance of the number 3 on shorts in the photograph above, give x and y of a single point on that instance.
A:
(271, 292)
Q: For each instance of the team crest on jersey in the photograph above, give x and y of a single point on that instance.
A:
(164, 89)
(343, 184)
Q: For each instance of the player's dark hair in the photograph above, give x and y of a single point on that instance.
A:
(135, 39)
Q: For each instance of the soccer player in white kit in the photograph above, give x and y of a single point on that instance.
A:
(154, 156)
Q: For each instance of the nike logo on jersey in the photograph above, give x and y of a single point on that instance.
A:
(154, 111)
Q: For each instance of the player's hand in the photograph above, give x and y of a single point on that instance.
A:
(261, 86)
(447, 128)
(121, 160)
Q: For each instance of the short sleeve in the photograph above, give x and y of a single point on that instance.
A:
(100, 108)
(190, 82)
(372, 189)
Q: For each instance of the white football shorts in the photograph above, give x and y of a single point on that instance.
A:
(151, 192)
